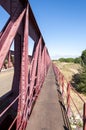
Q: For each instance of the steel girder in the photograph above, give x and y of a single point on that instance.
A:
(28, 78)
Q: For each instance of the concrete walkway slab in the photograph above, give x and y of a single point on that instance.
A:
(47, 112)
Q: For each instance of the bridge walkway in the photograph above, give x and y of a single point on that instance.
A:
(48, 112)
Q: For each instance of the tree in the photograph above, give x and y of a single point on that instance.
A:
(83, 57)
(79, 81)
(77, 60)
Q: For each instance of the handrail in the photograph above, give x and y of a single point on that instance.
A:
(71, 86)
(12, 123)
(66, 88)
(76, 107)
(2, 113)
(77, 93)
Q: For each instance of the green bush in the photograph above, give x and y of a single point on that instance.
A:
(83, 57)
(80, 81)
(66, 60)
(61, 59)
(77, 60)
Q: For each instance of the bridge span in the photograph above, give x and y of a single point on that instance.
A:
(40, 97)
(48, 112)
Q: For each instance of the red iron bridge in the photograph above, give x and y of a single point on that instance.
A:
(40, 98)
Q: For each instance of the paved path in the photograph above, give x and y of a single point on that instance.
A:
(6, 78)
(48, 112)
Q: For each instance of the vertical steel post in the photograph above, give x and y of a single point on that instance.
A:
(17, 64)
(39, 68)
(84, 116)
(45, 68)
(68, 99)
(62, 86)
(33, 75)
(21, 120)
(42, 66)
(59, 75)
(34, 66)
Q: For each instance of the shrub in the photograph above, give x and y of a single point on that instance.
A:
(83, 57)
(77, 60)
(66, 60)
(80, 81)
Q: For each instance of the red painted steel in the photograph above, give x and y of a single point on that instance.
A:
(8, 36)
(28, 78)
(13, 123)
(62, 86)
(24, 75)
(84, 117)
(1, 114)
(68, 97)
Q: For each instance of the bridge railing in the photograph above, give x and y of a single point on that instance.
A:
(7, 108)
(36, 76)
(28, 76)
(38, 69)
(74, 103)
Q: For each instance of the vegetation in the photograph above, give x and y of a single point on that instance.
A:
(78, 60)
(83, 57)
(69, 60)
(79, 80)
(66, 60)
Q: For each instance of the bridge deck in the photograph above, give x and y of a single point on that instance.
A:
(48, 113)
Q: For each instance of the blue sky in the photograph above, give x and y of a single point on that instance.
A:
(62, 23)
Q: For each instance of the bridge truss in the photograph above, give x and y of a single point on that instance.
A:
(28, 76)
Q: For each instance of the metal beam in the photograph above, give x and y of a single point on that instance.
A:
(24, 77)
(8, 36)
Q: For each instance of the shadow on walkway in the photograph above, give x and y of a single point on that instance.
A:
(64, 113)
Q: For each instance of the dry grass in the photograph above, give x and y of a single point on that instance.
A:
(68, 70)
